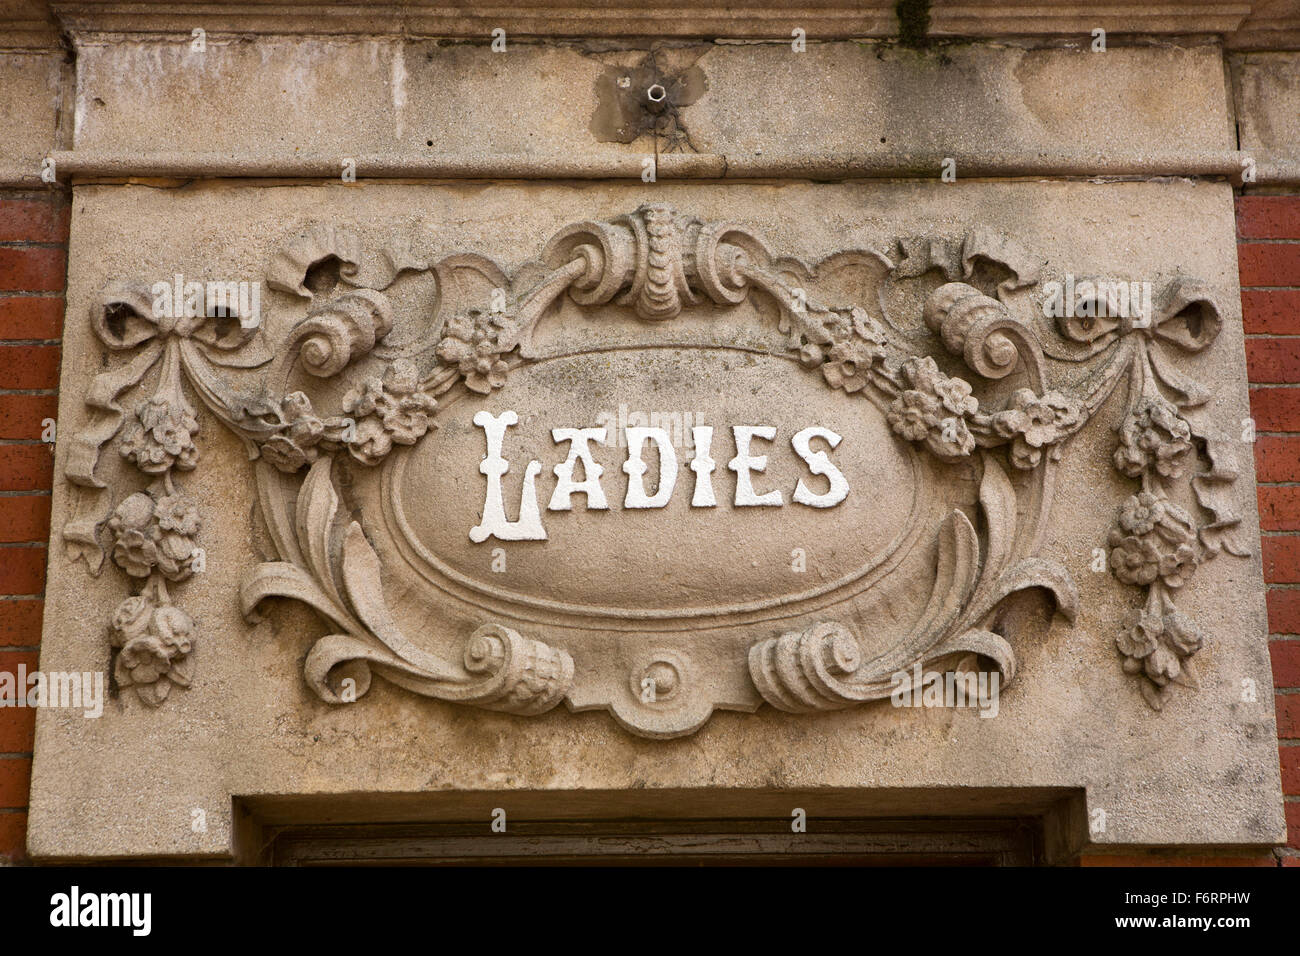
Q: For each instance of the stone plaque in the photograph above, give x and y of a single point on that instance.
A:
(747, 466)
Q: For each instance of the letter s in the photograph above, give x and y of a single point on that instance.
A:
(819, 463)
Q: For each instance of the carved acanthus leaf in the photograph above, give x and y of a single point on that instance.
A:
(341, 578)
(823, 667)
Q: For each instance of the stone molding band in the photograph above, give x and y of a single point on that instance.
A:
(1251, 24)
(1270, 169)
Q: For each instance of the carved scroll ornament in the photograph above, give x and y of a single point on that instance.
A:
(335, 391)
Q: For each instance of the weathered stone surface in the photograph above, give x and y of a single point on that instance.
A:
(1268, 101)
(33, 82)
(760, 106)
(788, 305)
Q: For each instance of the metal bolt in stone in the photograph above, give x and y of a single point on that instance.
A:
(656, 97)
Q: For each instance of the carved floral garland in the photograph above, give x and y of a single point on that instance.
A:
(656, 262)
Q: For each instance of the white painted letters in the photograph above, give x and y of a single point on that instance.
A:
(819, 463)
(579, 450)
(495, 524)
(636, 468)
(744, 463)
(528, 527)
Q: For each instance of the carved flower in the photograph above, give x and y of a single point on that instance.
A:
(866, 327)
(913, 414)
(177, 522)
(1141, 513)
(954, 393)
(1154, 436)
(366, 399)
(1158, 646)
(811, 354)
(392, 410)
(370, 443)
(132, 528)
(1184, 636)
(148, 535)
(151, 661)
(297, 444)
(283, 453)
(1134, 560)
(405, 409)
(470, 345)
(1155, 539)
(161, 435)
(850, 358)
(176, 630)
(1034, 422)
(918, 414)
(1162, 665)
(130, 619)
(1140, 635)
(177, 513)
(142, 661)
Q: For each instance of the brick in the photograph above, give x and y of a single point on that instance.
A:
(1274, 409)
(1292, 810)
(31, 317)
(17, 724)
(22, 569)
(34, 269)
(1277, 458)
(1290, 770)
(1154, 859)
(35, 220)
(1281, 554)
(1288, 716)
(1271, 311)
(1279, 508)
(21, 415)
(1285, 656)
(1273, 359)
(24, 518)
(20, 622)
(1283, 611)
(13, 836)
(15, 782)
(31, 467)
(37, 366)
(1268, 217)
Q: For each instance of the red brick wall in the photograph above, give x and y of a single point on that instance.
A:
(33, 254)
(33, 251)
(1268, 231)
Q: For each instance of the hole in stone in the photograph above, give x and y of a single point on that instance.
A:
(1194, 317)
(225, 325)
(115, 316)
(656, 93)
(323, 276)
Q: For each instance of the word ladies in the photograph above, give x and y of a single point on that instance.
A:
(744, 464)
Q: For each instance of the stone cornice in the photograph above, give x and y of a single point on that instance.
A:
(1251, 24)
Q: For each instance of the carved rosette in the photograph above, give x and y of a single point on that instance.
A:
(655, 262)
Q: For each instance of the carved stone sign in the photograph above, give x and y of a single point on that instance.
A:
(639, 598)
(665, 463)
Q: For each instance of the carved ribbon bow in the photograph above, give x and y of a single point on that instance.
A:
(124, 320)
(1185, 317)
